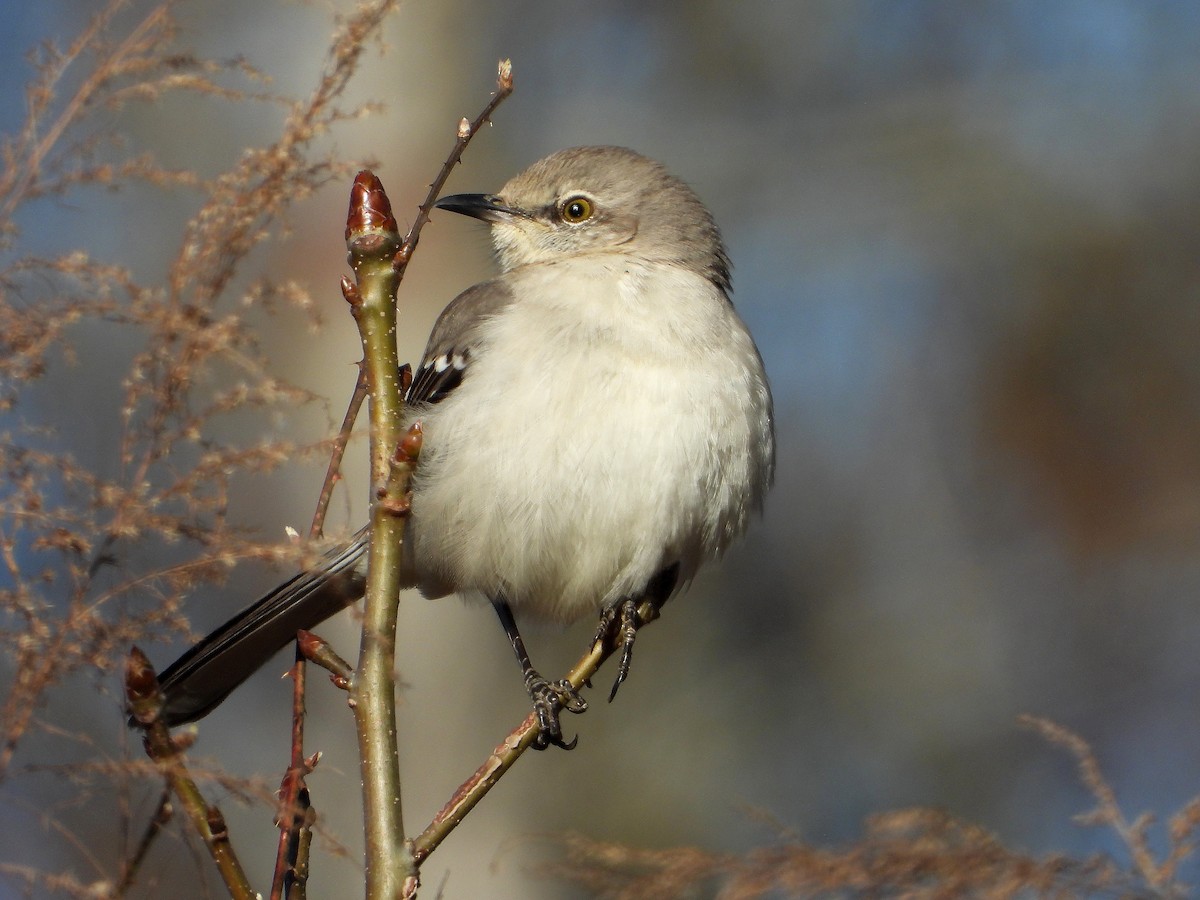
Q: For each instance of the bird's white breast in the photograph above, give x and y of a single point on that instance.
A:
(633, 432)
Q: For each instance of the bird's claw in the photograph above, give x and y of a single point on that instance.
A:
(621, 620)
(549, 699)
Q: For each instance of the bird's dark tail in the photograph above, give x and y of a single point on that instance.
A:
(198, 681)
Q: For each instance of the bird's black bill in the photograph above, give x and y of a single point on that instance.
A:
(487, 207)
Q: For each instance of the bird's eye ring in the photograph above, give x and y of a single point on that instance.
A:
(576, 209)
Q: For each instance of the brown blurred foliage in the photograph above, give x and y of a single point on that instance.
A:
(73, 596)
(913, 853)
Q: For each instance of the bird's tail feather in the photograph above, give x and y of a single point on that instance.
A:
(205, 675)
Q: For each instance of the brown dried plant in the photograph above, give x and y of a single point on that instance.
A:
(75, 591)
(921, 854)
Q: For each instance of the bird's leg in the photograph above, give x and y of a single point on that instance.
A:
(622, 620)
(549, 697)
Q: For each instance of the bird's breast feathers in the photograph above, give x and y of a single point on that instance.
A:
(641, 431)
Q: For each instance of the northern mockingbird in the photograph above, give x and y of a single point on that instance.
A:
(597, 425)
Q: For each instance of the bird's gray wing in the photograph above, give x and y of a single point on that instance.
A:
(454, 339)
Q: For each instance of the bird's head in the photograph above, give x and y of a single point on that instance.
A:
(598, 200)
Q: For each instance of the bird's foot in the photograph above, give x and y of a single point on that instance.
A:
(549, 699)
(621, 622)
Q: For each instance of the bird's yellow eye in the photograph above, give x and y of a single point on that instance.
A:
(576, 209)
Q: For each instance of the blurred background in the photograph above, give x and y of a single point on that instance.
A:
(965, 237)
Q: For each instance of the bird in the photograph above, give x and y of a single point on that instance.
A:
(597, 425)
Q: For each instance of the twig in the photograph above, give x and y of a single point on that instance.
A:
(372, 238)
(379, 259)
(316, 649)
(295, 810)
(129, 869)
(333, 471)
(145, 701)
(466, 131)
(291, 863)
